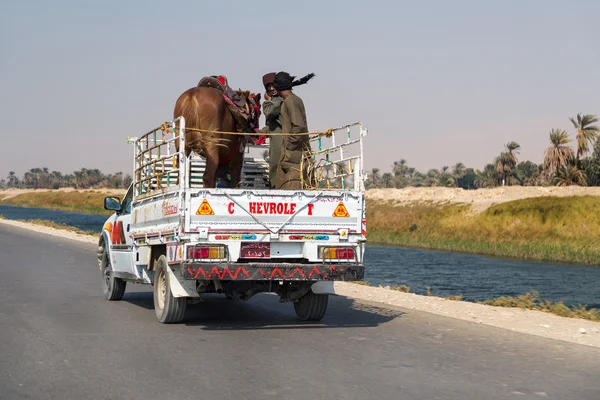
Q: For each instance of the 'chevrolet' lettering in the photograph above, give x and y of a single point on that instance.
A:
(257, 207)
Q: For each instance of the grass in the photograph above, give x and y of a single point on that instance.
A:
(563, 229)
(401, 288)
(89, 202)
(531, 301)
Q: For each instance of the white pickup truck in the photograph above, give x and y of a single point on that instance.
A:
(186, 240)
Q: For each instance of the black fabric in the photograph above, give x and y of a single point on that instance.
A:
(284, 81)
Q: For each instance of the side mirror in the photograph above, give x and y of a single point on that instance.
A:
(112, 203)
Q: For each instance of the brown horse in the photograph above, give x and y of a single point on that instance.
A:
(205, 108)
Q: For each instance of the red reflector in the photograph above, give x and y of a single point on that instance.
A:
(345, 253)
(203, 252)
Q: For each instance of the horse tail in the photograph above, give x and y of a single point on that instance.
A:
(189, 109)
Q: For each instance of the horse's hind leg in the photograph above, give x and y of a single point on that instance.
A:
(235, 168)
(209, 178)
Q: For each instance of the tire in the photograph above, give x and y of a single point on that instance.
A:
(311, 306)
(112, 287)
(169, 309)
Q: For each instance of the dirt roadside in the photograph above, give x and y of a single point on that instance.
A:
(480, 199)
(525, 321)
(10, 193)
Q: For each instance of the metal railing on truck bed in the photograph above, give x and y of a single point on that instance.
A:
(337, 161)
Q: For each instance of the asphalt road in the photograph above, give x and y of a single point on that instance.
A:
(59, 339)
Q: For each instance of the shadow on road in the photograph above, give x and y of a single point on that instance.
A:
(215, 312)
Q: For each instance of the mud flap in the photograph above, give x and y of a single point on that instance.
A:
(181, 287)
(323, 287)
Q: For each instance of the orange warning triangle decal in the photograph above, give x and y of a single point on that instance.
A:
(341, 211)
(205, 209)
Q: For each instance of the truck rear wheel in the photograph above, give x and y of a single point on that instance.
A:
(311, 306)
(112, 287)
(169, 309)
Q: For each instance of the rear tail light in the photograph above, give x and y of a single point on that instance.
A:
(206, 252)
(337, 253)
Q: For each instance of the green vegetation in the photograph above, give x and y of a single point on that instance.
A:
(454, 298)
(531, 301)
(565, 229)
(90, 202)
(401, 288)
(42, 178)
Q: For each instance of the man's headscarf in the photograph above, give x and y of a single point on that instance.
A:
(284, 81)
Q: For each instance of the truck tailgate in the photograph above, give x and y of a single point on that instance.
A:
(274, 211)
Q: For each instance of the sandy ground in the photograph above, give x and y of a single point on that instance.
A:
(480, 199)
(525, 321)
(8, 193)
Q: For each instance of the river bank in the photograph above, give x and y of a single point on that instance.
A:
(560, 224)
(517, 318)
(89, 201)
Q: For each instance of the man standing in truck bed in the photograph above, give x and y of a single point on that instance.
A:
(272, 111)
(293, 119)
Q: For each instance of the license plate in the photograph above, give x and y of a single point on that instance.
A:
(255, 250)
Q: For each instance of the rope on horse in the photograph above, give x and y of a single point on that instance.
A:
(328, 133)
(310, 174)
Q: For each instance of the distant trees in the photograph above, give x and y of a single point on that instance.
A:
(42, 178)
(562, 165)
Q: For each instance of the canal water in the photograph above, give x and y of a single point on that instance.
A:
(446, 273)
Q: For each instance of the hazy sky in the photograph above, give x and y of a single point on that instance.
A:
(435, 82)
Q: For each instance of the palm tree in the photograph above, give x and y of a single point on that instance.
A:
(387, 179)
(400, 168)
(418, 179)
(458, 171)
(13, 180)
(513, 149)
(433, 177)
(570, 175)
(375, 177)
(507, 161)
(487, 177)
(586, 132)
(559, 155)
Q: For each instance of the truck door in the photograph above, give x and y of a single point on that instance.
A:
(122, 240)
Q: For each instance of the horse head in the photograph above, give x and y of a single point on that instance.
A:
(253, 105)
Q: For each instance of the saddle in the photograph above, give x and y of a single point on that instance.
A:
(236, 102)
